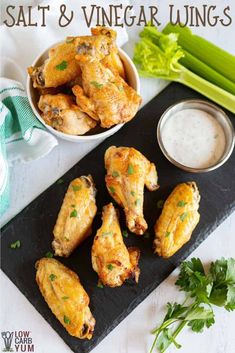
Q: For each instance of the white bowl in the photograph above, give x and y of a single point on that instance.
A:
(98, 133)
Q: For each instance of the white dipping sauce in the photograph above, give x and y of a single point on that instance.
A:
(193, 138)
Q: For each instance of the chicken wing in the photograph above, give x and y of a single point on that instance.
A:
(127, 173)
(105, 96)
(113, 262)
(66, 297)
(60, 112)
(178, 219)
(112, 60)
(60, 67)
(76, 215)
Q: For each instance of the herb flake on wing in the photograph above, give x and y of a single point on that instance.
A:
(112, 189)
(181, 203)
(52, 277)
(96, 84)
(183, 216)
(74, 213)
(115, 174)
(130, 169)
(66, 320)
(62, 66)
(76, 187)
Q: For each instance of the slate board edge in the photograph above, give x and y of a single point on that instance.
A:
(149, 288)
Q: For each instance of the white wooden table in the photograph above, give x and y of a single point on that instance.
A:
(133, 334)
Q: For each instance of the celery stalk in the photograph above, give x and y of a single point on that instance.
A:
(215, 57)
(209, 90)
(158, 55)
(205, 71)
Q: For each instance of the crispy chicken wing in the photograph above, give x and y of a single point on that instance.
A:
(60, 112)
(60, 67)
(178, 219)
(112, 60)
(66, 297)
(105, 96)
(127, 173)
(76, 215)
(113, 262)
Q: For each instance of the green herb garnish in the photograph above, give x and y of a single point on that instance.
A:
(115, 174)
(111, 189)
(183, 216)
(96, 84)
(110, 267)
(120, 88)
(160, 203)
(137, 202)
(49, 254)
(104, 234)
(74, 213)
(62, 66)
(65, 297)
(100, 284)
(15, 245)
(60, 181)
(181, 203)
(167, 234)
(130, 169)
(125, 233)
(132, 193)
(76, 187)
(217, 287)
(52, 277)
(70, 40)
(66, 320)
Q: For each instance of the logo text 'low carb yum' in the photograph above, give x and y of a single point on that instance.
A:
(17, 341)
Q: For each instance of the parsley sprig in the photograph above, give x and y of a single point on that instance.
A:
(217, 287)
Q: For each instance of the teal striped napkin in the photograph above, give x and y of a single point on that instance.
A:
(22, 136)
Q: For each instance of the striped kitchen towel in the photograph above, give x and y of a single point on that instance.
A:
(22, 137)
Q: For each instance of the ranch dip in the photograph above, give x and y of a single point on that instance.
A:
(193, 138)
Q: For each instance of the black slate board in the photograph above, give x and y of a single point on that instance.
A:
(33, 226)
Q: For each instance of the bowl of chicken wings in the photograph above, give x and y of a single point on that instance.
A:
(84, 88)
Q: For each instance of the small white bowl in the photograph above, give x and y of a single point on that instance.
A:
(99, 133)
(216, 113)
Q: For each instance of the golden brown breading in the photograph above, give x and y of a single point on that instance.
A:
(178, 219)
(127, 173)
(113, 262)
(105, 96)
(66, 297)
(60, 67)
(112, 60)
(76, 215)
(60, 112)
